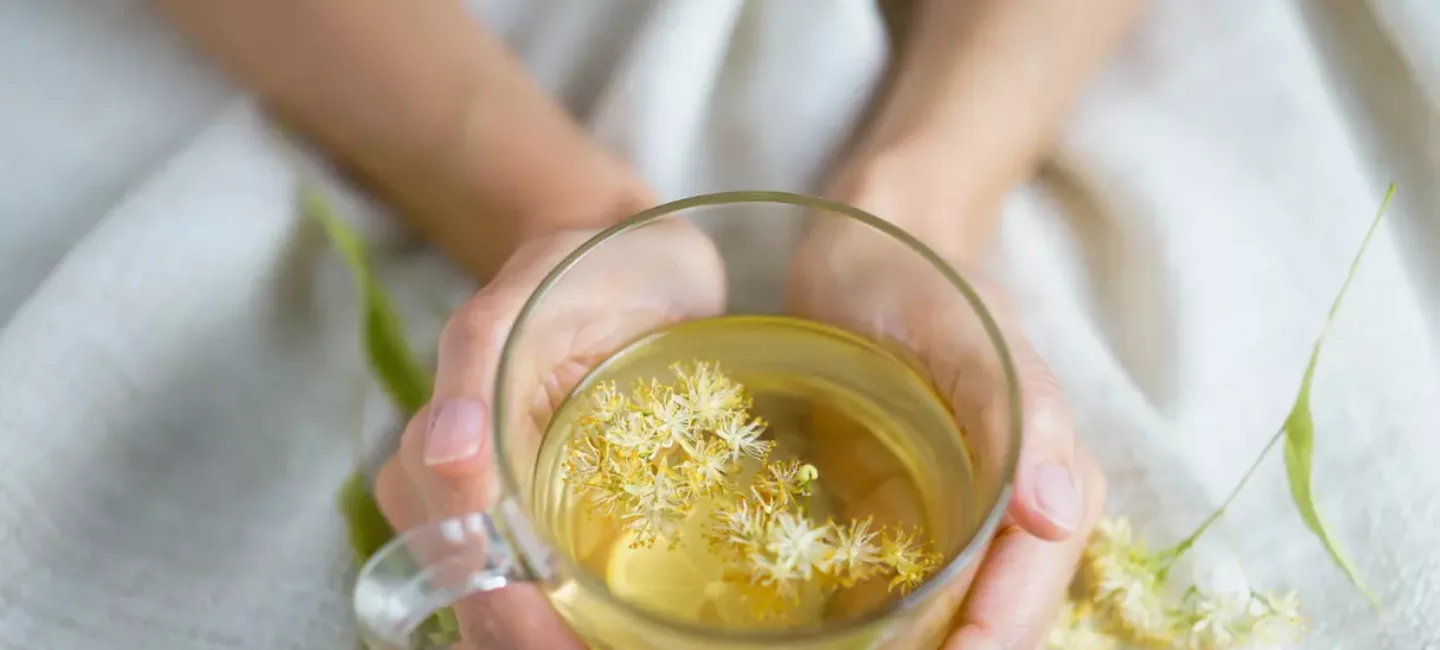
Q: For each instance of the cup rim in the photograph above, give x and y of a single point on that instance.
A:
(511, 486)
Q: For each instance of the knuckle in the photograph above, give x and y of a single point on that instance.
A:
(1047, 415)
(473, 324)
(479, 324)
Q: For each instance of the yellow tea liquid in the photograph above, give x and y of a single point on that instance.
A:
(885, 446)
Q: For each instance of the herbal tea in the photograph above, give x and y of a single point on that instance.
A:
(749, 472)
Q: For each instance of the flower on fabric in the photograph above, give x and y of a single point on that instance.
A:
(1121, 602)
(1126, 582)
(1076, 628)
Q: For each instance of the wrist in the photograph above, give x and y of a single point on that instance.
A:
(601, 194)
(927, 193)
(527, 174)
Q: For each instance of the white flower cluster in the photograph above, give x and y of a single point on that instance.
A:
(1123, 604)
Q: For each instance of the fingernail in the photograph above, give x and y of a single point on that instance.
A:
(1057, 496)
(457, 431)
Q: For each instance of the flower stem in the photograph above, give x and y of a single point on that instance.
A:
(1168, 557)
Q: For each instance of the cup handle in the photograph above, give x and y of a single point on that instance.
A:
(430, 567)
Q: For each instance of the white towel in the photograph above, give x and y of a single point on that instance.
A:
(181, 378)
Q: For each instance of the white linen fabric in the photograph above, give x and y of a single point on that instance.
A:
(182, 381)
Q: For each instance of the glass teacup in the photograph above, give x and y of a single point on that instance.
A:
(518, 541)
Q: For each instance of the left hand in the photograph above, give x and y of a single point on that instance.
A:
(849, 276)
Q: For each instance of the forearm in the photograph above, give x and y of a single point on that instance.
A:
(427, 108)
(981, 88)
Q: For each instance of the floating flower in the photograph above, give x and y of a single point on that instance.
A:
(669, 422)
(606, 403)
(651, 460)
(583, 461)
(741, 436)
(899, 550)
(741, 525)
(706, 470)
(798, 544)
(708, 394)
(784, 484)
(855, 555)
(633, 432)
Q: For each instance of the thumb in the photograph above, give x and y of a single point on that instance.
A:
(448, 453)
(1049, 498)
(447, 449)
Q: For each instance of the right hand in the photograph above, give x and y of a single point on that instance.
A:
(647, 278)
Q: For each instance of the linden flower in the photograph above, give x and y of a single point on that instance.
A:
(1278, 620)
(1218, 623)
(632, 431)
(781, 578)
(854, 556)
(610, 498)
(668, 421)
(798, 545)
(1132, 591)
(584, 460)
(899, 550)
(659, 488)
(1252, 620)
(741, 524)
(651, 459)
(1075, 629)
(606, 403)
(709, 395)
(742, 437)
(1127, 582)
(652, 522)
(659, 504)
(708, 468)
(784, 483)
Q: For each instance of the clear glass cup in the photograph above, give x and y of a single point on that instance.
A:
(434, 566)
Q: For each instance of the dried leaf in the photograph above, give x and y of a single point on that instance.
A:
(1300, 432)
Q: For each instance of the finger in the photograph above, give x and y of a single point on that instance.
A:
(446, 448)
(397, 497)
(447, 454)
(516, 617)
(1049, 492)
(1023, 579)
(466, 481)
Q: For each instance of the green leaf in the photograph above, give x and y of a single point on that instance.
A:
(368, 529)
(395, 365)
(1300, 431)
(390, 356)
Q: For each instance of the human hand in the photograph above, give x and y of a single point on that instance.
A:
(650, 277)
(847, 275)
